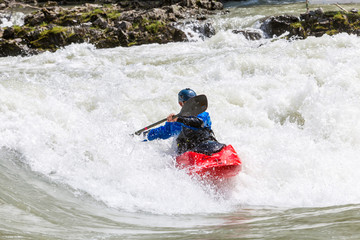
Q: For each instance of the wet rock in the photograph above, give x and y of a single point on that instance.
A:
(156, 14)
(146, 4)
(52, 39)
(210, 5)
(10, 48)
(49, 15)
(14, 47)
(209, 30)
(276, 26)
(315, 23)
(201, 17)
(50, 4)
(101, 23)
(203, 29)
(178, 35)
(34, 19)
(176, 11)
(319, 12)
(122, 37)
(8, 33)
(124, 24)
(249, 35)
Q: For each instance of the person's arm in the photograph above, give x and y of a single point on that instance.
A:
(164, 132)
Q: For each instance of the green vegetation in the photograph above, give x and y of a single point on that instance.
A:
(296, 25)
(319, 28)
(135, 25)
(332, 32)
(151, 26)
(331, 23)
(44, 42)
(17, 28)
(98, 11)
(86, 17)
(106, 13)
(154, 27)
(54, 30)
(113, 14)
(329, 14)
(132, 44)
(22, 31)
(43, 24)
(339, 17)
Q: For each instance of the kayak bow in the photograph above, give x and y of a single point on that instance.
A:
(223, 164)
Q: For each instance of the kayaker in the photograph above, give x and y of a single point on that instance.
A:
(193, 133)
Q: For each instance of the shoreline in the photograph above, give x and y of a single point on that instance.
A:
(105, 25)
(126, 24)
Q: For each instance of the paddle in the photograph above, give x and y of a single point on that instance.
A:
(192, 107)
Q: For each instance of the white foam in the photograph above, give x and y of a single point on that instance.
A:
(8, 20)
(290, 109)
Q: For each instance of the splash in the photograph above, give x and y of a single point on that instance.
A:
(290, 109)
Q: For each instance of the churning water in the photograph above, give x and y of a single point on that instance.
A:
(69, 168)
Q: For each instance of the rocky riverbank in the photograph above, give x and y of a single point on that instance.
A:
(113, 23)
(315, 23)
(126, 23)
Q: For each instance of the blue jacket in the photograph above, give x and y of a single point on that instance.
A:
(174, 128)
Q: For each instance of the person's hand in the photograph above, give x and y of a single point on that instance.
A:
(171, 119)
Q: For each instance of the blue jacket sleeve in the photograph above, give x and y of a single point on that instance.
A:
(205, 117)
(174, 128)
(164, 132)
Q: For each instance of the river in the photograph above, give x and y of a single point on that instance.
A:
(70, 169)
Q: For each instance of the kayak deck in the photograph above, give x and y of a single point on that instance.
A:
(223, 164)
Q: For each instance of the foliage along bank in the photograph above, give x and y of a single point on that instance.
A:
(124, 24)
(129, 23)
(315, 23)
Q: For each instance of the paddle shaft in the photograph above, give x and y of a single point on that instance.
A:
(152, 125)
(192, 107)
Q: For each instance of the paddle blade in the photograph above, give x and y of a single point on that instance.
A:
(194, 106)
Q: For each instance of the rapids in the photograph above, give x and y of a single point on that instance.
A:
(289, 108)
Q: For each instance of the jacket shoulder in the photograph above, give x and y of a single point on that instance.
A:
(205, 117)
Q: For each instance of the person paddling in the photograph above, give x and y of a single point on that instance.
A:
(193, 133)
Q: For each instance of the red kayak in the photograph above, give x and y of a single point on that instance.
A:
(220, 165)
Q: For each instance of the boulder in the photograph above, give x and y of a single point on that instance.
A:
(51, 39)
(14, 47)
(314, 23)
(124, 24)
(248, 34)
(204, 29)
(10, 48)
(276, 26)
(100, 22)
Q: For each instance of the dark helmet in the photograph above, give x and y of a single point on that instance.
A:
(186, 94)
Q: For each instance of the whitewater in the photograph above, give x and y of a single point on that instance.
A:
(71, 169)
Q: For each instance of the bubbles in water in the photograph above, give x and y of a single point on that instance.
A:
(10, 19)
(290, 110)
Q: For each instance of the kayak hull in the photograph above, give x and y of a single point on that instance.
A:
(221, 165)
